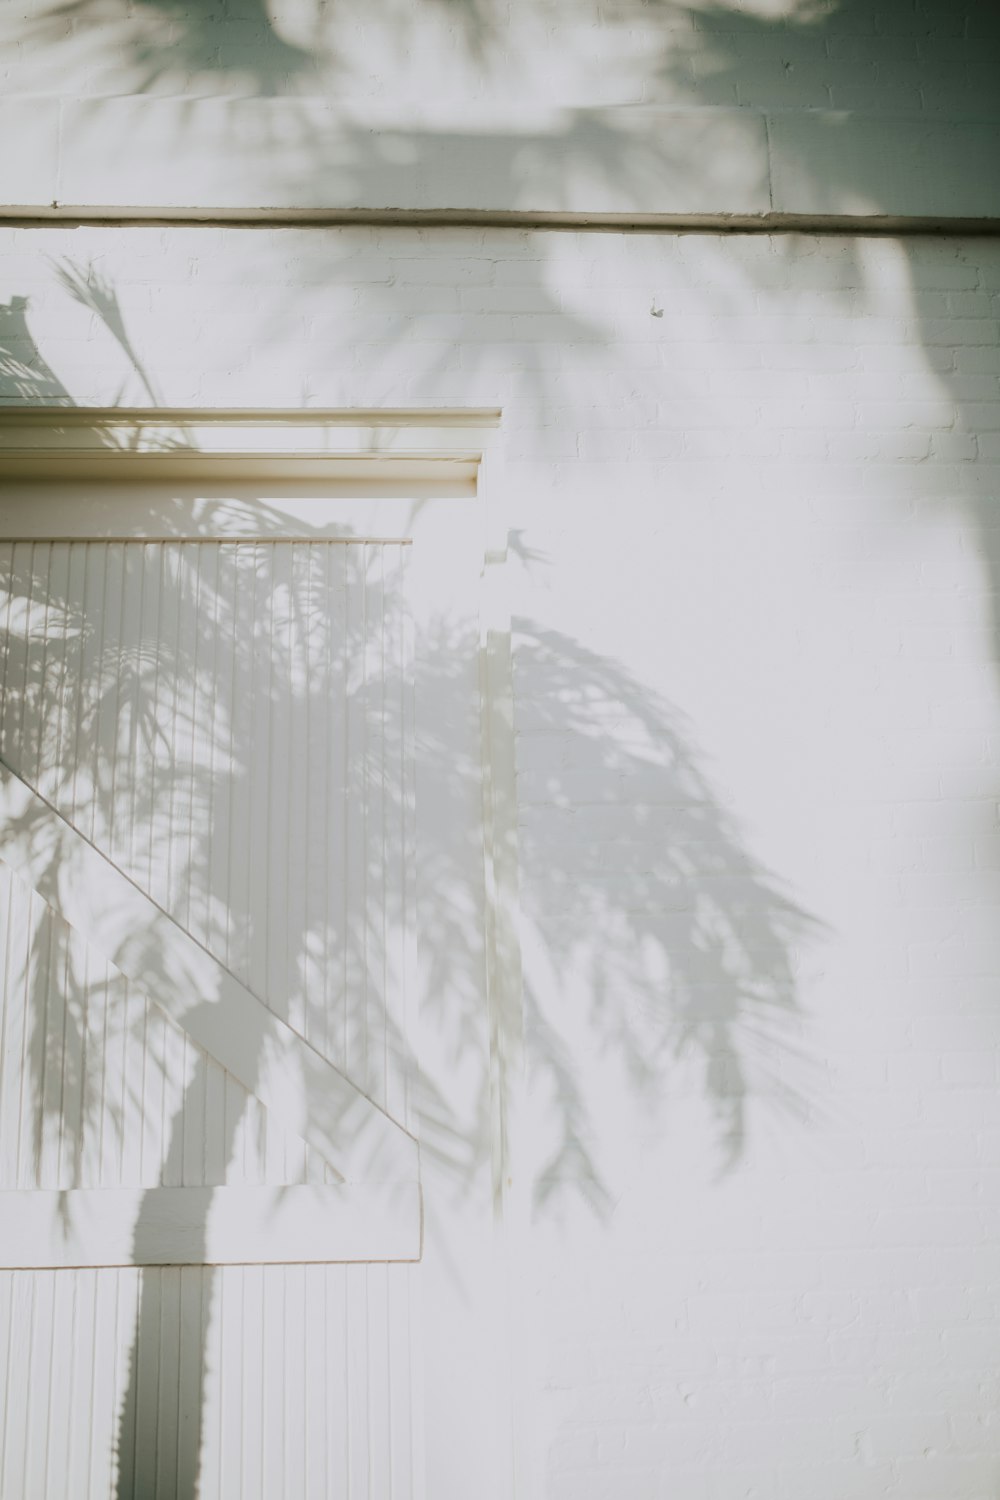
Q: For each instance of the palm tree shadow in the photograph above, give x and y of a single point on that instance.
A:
(660, 937)
(690, 950)
(25, 376)
(200, 47)
(666, 937)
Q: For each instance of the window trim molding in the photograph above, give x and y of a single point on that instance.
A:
(399, 445)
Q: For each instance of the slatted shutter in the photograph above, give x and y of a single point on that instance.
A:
(206, 905)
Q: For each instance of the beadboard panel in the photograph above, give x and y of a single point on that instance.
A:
(229, 724)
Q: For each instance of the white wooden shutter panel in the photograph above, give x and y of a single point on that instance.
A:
(205, 798)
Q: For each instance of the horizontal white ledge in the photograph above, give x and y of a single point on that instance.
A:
(125, 215)
(193, 1226)
(241, 418)
(457, 475)
(282, 158)
(395, 447)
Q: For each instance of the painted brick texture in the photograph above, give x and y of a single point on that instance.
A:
(897, 57)
(751, 488)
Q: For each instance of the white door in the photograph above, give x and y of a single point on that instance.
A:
(220, 1277)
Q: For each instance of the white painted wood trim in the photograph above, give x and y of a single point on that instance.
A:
(219, 1013)
(360, 446)
(250, 418)
(196, 1226)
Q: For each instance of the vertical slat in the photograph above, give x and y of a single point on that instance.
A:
(192, 1120)
(151, 1092)
(275, 1436)
(357, 1414)
(127, 671)
(142, 813)
(237, 1110)
(336, 1371)
(216, 1144)
(312, 807)
(6, 1351)
(176, 1065)
(337, 802)
(29, 734)
(355, 874)
(162, 858)
(15, 679)
(210, 1412)
(38, 1371)
(380, 1412)
(195, 1293)
(75, 627)
(121, 1300)
(94, 989)
(296, 771)
(295, 1317)
(394, 904)
(242, 750)
(110, 987)
(13, 1478)
(316, 1480)
(59, 1416)
(51, 770)
(256, 1408)
(107, 705)
(116, 1082)
(33, 1055)
(207, 713)
(295, 675)
(260, 769)
(74, 1060)
(375, 766)
(53, 1053)
(16, 950)
(166, 1335)
(223, 1444)
(400, 1357)
(82, 772)
(9, 634)
(81, 1357)
(149, 1436)
(125, 1377)
(133, 1018)
(222, 769)
(278, 785)
(185, 809)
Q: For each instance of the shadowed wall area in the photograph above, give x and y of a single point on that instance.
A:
(899, 57)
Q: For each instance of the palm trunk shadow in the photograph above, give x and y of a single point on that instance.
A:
(172, 1360)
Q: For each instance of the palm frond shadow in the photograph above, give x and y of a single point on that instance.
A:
(691, 948)
(662, 936)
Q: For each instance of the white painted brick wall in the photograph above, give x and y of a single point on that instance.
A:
(901, 57)
(759, 770)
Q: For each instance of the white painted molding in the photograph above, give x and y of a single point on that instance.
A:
(80, 443)
(220, 1014)
(208, 1226)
